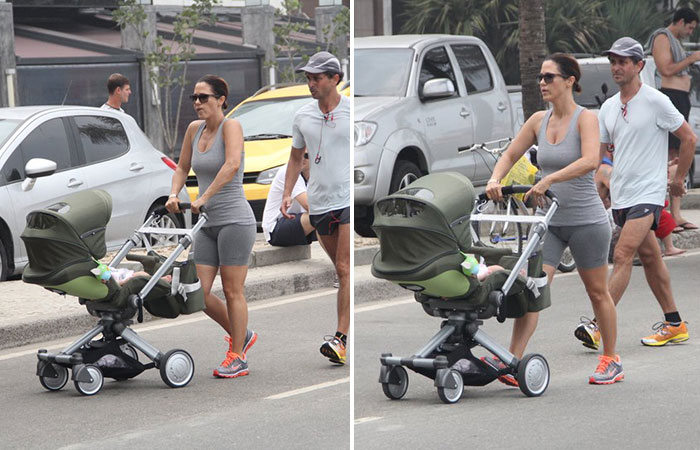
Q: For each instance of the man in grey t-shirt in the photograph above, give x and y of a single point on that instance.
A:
(634, 124)
(119, 90)
(322, 128)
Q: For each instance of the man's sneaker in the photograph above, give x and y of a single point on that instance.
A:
(609, 371)
(497, 364)
(333, 349)
(232, 367)
(666, 333)
(588, 333)
(251, 337)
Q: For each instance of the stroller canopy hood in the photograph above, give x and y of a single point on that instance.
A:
(71, 230)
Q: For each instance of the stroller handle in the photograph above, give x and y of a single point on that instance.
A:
(516, 189)
(162, 210)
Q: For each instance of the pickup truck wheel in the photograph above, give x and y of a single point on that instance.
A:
(4, 262)
(405, 173)
(363, 227)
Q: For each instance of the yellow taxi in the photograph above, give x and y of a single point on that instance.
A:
(266, 118)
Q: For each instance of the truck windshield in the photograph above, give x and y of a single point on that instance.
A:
(382, 72)
(593, 77)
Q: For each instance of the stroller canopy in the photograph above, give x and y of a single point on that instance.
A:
(68, 231)
(427, 219)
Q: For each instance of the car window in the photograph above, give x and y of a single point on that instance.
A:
(102, 138)
(597, 85)
(695, 86)
(475, 70)
(382, 72)
(269, 119)
(436, 64)
(13, 169)
(7, 126)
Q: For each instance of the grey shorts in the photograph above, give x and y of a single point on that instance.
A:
(224, 245)
(589, 244)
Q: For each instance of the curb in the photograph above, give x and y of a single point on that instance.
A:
(77, 321)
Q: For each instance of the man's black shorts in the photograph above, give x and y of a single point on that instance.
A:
(681, 100)
(327, 223)
(620, 216)
(288, 232)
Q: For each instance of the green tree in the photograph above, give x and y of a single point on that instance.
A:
(167, 63)
(285, 42)
(339, 27)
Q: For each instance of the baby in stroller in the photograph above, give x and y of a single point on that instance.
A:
(425, 230)
(64, 244)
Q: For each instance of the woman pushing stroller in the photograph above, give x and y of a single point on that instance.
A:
(568, 142)
(213, 147)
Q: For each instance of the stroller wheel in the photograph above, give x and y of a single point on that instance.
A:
(452, 394)
(55, 383)
(176, 368)
(130, 351)
(533, 375)
(93, 386)
(397, 386)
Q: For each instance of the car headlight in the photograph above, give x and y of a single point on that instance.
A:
(364, 132)
(266, 176)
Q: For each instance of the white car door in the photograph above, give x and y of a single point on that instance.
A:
(447, 122)
(49, 139)
(489, 102)
(113, 164)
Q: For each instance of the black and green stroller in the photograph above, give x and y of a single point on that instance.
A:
(64, 243)
(425, 232)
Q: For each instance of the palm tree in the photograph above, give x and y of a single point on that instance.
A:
(636, 19)
(532, 52)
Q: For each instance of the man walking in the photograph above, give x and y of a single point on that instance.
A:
(673, 75)
(119, 91)
(322, 129)
(634, 125)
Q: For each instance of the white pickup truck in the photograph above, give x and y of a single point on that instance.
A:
(421, 103)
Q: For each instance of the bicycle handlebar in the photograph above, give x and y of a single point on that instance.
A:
(516, 189)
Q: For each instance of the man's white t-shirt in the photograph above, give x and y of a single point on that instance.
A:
(327, 141)
(110, 108)
(641, 145)
(272, 212)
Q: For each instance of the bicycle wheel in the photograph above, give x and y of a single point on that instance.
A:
(504, 234)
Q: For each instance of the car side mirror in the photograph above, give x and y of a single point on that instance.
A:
(35, 168)
(438, 88)
(604, 89)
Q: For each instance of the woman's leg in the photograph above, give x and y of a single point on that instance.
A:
(595, 281)
(524, 327)
(214, 306)
(233, 281)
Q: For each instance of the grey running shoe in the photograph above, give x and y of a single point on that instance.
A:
(588, 333)
(609, 371)
(251, 337)
(232, 367)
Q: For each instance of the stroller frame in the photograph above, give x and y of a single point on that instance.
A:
(176, 366)
(460, 332)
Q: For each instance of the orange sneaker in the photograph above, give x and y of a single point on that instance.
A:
(609, 371)
(666, 333)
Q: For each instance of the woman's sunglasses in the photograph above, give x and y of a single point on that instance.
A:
(203, 98)
(548, 77)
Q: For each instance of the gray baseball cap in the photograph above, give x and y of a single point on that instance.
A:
(626, 46)
(319, 63)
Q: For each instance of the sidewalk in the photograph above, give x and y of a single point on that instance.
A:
(369, 288)
(30, 313)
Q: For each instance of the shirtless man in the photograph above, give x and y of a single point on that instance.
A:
(672, 67)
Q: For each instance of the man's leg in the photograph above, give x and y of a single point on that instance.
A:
(632, 235)
(656, 273)
(337, 246)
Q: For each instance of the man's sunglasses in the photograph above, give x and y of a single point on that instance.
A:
(203, 98)
(548, 77)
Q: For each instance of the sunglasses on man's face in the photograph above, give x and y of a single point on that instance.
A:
(203, 98)
(548, 77)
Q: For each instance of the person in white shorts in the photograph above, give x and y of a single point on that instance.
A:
(634, 125)
(322, 130)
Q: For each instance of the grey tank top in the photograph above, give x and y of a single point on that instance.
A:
(579, 202)
(229, 205)
(678, 53)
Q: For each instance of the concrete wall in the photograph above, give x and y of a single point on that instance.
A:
(8, 77)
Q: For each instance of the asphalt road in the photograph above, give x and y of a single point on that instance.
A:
(292, 399)
(657, 405)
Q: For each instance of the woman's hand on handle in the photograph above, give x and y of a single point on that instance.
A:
(173, 205)
(494, 190)
(196, 205)
(537, 192)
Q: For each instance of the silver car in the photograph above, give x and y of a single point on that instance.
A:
(48, 152)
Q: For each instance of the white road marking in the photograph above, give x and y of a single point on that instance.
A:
(367, 419)
(177, 322)
(383, 304)
(307, 389)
